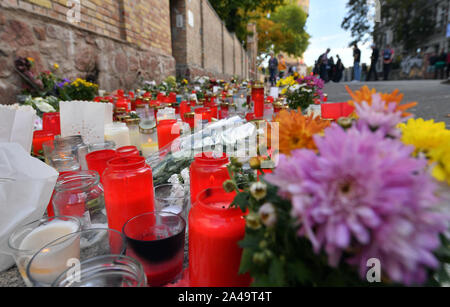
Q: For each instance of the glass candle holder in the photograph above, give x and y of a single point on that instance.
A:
(51, 122)
(168, 131)
(157, 241)
(107, 145)
(118, 133)
(214, 233)
(133, 128)
(66, 154)
(59, 256)
(173, 198)
(97, 160)
(190, 119)
(26, 240)
(80, 194)
(128, 151)
(128, 185)
(258, 100)
(39, 138)
(110, 271)
(206, 116)
(149, 141)
(207, 171)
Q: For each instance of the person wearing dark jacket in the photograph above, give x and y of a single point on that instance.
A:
(273, 69)
(373, 63)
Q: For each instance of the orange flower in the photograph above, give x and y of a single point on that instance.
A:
(296, 131)
(365, 94)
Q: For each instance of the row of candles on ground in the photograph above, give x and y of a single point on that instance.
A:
(117, 190)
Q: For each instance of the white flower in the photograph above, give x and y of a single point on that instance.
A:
(258, 190)
(43, 106)
(268, 215)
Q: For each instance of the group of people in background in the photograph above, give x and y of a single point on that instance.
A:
(439, 63)
(328, 69)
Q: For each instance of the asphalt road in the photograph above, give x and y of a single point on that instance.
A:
(433, 96)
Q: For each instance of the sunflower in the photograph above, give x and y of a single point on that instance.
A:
(296, 131)
(365, 94)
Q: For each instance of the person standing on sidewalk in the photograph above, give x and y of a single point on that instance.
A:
(373, 63)
(356, 63)
(388, 58)
(282, 67)
(448, 64)
(323, 66)
(273, 69)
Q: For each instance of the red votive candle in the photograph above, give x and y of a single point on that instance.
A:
(39, 138)
(128, 185)
(98, 160)
(128, 151)
(168, 131)
(258, 101)
(207, 171)
(51, 122)
(214, 234)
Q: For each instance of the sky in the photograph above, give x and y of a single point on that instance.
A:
(324, 26)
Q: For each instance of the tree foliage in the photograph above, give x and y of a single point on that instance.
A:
(284, 31)
(238, 13)
(410, 20)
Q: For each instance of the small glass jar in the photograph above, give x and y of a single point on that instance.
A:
(128, 185)
(108, 271)
(207, 171)
(66, 154)
(215, 231)
(133, 127)
(128, 151)
(80, 194)
(149, 141)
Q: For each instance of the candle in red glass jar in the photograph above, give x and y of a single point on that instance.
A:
(258, 100)
(128, 185)
(51, 122)
(39, 138)
(189, 118)
(98, 160)
(184, 108)
(205, 114)
(128, 151)
(207, 171)
(214, 234)
(214, 109)
(168, 131)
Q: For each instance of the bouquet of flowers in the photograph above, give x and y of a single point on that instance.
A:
(357, 203)
(79, 89)
(301, 92)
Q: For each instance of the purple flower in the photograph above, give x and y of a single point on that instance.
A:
(63, 83)
(379, 117)
(364, 196)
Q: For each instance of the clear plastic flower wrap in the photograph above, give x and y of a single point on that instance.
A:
(233, 136)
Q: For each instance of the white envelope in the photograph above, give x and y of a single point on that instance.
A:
(17, 125)
(26, 186)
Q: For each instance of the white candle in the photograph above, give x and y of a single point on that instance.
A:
(118, 133)
(50, 262)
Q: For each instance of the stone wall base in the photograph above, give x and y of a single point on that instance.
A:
(79, 53)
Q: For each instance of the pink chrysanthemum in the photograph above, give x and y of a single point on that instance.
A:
(365, 196)
(379, 116)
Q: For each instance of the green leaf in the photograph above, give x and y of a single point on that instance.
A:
(276, 273)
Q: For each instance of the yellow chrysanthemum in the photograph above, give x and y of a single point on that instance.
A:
(365, 94)
(424, 135)
(441, 156)
(55, 66)
(296, 131)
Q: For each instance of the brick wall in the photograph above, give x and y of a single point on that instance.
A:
(210, 49)
(120, 41)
